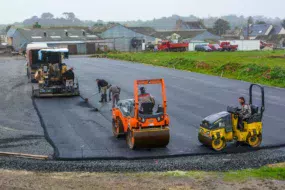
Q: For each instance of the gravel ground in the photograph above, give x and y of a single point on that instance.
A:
(224, 162)
(20, 128)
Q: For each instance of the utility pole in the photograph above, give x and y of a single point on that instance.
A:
(248, 29)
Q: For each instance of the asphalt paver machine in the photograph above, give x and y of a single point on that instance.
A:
(53, 77)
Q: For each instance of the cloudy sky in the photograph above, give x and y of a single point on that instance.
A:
(120, 10)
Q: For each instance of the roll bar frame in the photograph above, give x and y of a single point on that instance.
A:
(262, 97)
(149, 82)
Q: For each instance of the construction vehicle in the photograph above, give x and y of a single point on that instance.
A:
(218, 129)
(33, 62)
(53, 77)
(168, 46)
(266, 46)
(215, 47)
(147, 129)
(226, 46)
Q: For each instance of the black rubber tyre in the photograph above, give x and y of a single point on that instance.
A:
(218, 144)
(117, 127)
(254, 141)
(130, 140)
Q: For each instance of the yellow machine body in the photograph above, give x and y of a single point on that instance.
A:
(218, 129)
(52, 78)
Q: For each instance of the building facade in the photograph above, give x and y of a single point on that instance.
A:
(128, 38)
(77, 40)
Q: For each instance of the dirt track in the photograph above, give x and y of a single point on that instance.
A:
(196, 180)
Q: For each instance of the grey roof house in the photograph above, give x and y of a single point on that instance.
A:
(189, 25)
(187, 36)
(73, 38)
(277, 30)
(257, 30)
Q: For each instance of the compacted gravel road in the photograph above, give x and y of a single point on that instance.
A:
(20, 127)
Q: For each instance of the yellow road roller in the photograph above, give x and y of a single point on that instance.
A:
(218, 129)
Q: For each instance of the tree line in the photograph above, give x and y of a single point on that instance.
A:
(218, 25)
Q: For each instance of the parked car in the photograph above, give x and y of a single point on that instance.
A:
(215, 47)
(205, 48)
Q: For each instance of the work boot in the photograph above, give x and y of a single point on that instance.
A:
(105, 98)
(102, 98)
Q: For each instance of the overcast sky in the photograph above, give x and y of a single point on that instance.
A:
(120, 10)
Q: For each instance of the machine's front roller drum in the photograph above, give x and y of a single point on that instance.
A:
(148, 138)
(204, 140)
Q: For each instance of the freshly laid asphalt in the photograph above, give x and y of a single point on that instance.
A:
(77, 131)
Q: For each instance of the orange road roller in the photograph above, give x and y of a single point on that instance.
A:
(144, 124)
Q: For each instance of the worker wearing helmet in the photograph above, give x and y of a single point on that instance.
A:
(144, 98)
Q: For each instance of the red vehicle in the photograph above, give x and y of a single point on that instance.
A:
(265, 45)
(226, 46)
(215, 47)
(168, 46)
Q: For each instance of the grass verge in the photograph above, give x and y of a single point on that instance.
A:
(269, 177)
(263, 67)
(276, 172)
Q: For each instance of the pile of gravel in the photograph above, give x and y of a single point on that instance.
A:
(223, 162)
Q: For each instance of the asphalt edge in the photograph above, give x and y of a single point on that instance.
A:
(171, 156)
(43, 125)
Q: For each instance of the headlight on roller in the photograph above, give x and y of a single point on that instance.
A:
(158, 119)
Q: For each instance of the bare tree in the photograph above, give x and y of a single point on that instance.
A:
(69, 15)
(47, 16)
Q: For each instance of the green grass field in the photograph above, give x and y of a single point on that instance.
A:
(264, 67)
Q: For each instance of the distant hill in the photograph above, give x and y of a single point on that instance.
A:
(167, 23)
(164, 23)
